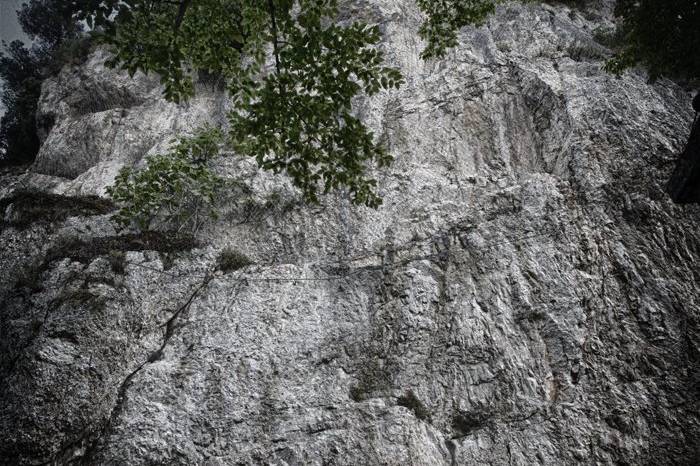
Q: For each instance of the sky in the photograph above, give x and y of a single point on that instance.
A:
(9, 28)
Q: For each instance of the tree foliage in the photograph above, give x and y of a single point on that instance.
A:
(446, 17)
(177, 189)
(662, 36)
(49, 22)
(291, 70)
(20, 70)
(51, 25)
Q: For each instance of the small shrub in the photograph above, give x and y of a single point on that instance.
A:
(607, 36)
(357, 393)
(231, 260)
(179, 189)
(466, 423)
(410, 401)
(117, 261)
(582, 52)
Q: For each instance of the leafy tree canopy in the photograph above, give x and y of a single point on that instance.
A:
(290, 68)
(20, 72)
(446, 17)
(49, 22)
(664, 36)
(52, 26)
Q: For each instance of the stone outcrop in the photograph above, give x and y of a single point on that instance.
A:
(527, 293)
(93, 120)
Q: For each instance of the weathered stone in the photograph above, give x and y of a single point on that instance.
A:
(100, 119)
(527, 294)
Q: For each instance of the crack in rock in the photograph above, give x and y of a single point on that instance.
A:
(89, 451)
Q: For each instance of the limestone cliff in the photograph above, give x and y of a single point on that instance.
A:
(527, 294)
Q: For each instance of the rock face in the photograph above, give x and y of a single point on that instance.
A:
(527, 294)
(93, 120)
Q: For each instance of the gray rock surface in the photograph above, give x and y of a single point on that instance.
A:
(527, 294)
(93, 120)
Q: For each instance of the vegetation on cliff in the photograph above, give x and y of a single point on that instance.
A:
(56, 40)
(293, 71)
(664, 37)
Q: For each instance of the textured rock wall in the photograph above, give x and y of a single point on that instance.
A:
(527, 294)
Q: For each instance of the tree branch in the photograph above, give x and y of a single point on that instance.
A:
(184, 4)
(275, 39)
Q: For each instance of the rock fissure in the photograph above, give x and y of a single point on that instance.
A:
(118, 407)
